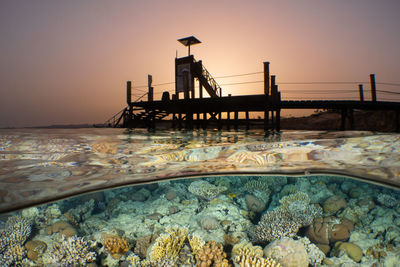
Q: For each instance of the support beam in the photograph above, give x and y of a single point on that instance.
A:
(278, 120)
(373, 87)
(266, 78)
(343, 119)
(228, 120)
(236, 120)
(351, 119)
(247, 121)
(361, 91)
(266, 120)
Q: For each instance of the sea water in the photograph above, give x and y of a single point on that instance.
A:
(113, 197)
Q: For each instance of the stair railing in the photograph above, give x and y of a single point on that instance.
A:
(212, 81)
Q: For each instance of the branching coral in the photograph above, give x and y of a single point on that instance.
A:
(18, 229)
(298, 196)
(168, 245)
(196, 243)
(254, 185)
(212, 254)
(72, 251)
(315, 255)
(116, 245)
(298, 205)
(274, 225)
(12, 238)
(205, 190)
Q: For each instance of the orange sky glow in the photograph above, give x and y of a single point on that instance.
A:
(67, 62)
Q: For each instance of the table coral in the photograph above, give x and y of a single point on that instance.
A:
(205, 190)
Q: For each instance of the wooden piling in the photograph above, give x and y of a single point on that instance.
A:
(343, 119)
(247, 121)
(236, 120)
(128, 122)
(361, 91)
(278, 120)
(351, 119)
(228, 120)
(129, 92)
(219, 121)
(266, 93)
(266, 78)
(373, 87)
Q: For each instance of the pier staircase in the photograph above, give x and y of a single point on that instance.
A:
(140, 117)
(206, 80)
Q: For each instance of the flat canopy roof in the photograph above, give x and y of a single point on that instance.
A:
(187, 41)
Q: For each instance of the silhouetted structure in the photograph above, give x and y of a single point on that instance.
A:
(190, 112)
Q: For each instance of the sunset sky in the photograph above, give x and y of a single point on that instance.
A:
(67, 62)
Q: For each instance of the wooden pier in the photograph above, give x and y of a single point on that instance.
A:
(229, 111)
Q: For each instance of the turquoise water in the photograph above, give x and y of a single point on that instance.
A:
(117, 198)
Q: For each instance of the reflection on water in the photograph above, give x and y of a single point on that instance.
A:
(41, 165)
(319, 220)
(238, 203)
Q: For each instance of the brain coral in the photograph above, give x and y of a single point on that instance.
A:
(209, 223)
(205, 190)
(288, 252)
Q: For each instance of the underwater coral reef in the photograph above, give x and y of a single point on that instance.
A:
(315, 220)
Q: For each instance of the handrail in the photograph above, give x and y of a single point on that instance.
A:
(211, 81)
(111, 121)
(141, 97)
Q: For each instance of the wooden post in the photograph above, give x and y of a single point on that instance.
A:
(343, 121)
(150, 93)
(373, 87)
(247, 121)
(219, 121)
(273, 83)
(278, 119)
(236, 120)
(228, 120)
(128, 122)
(266, 120)
(351, 119)
(272, 120)
(180, 121)
(266, 93)
(204, 121)
(361, 91)
(266, 78)
(128, 92)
